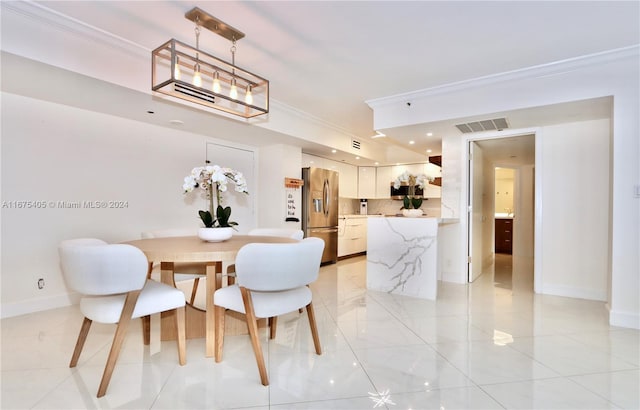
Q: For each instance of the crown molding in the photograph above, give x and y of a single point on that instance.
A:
(542, 70)
(61, 22)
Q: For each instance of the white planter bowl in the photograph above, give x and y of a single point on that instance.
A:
(215, 234)
(412, 213)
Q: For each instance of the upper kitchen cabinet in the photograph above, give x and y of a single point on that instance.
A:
(366, 182)
(309, 161)
(383, 182)
(432, 190)
(413, 169)
(348, 180)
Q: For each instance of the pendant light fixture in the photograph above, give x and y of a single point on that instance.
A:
(190, 74)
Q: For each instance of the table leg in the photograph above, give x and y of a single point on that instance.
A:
(213, 284)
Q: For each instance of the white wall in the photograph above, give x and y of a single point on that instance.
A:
(276, 163)
(574, 165)
(523, 224)
(504, 182)
(55, 153)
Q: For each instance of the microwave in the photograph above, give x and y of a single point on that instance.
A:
(403, 190)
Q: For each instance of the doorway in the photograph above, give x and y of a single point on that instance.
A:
(498, 198)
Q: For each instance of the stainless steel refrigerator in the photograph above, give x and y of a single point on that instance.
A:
(320, 209)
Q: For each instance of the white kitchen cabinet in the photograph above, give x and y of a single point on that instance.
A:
(430, 190)
(366, 182)
(432, 170)
(413, 169)
(312, 161)
(383, 182)
(352, 235)
(348, 181)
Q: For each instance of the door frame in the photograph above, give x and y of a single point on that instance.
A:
(465, 222)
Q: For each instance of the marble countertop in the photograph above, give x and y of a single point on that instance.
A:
(440, 220)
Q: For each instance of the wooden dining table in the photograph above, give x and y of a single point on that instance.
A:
(213, 258)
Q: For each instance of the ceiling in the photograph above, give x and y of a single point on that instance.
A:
(327, 58)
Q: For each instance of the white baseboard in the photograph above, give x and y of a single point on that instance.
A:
(624, 319)
(573, 292)
(38, 305)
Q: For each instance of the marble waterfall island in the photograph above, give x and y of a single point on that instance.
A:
(402, 256)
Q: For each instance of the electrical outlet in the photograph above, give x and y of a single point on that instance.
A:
(40, 283)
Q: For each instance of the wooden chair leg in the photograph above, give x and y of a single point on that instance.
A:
(194, 291)
(273, 325)
(314, 328)
(252, 325)
(146, 330)
(82, 337)
(182, 338)
(219, 315)
(118, 339)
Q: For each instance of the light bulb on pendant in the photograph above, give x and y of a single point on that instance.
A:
(248, 97)
(176, 70)
(233, 93)
(216, 83)
(197, 78)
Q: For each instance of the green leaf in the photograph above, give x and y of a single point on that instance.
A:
(223, 215)
(207, 218)
(406, 202)
(416, 202)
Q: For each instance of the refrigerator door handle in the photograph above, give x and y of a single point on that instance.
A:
(326, 230)
(325, 194)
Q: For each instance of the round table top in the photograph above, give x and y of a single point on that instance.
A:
(194, 249)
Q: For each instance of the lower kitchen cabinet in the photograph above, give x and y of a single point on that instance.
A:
(352, 235)
(504, 235)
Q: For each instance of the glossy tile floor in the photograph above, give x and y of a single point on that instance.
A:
(481, 346)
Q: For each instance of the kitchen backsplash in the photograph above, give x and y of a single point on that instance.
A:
(349, 206)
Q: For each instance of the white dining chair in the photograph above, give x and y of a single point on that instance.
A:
(112, 280)
(183, 271)
(297, 234)
(272, 279)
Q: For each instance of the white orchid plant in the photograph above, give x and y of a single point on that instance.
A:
(411, 201)
(213, 180)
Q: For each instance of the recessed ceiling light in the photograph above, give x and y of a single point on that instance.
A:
(357, 157)
(333, 151)
(411, 142)
(429, 134)
(377, 163)
(429, 151)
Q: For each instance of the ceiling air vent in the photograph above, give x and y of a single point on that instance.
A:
(355, 144)
(484, 125)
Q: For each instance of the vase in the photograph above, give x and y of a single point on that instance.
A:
(412, 213)
(215, 234)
